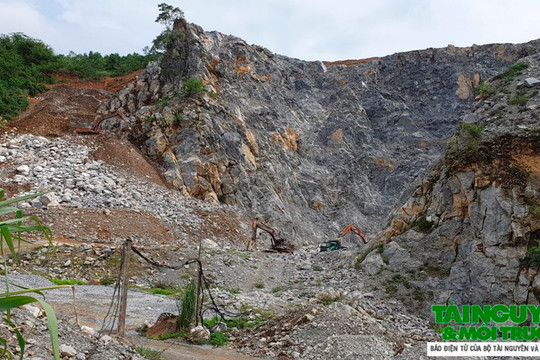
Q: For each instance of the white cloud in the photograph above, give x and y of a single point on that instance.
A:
(304, 29)
(19, 16)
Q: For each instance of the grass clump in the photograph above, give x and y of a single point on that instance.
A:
(532, 257)
(192, 87)
(187, 307)
(473, 130)
(515, 70)
(485, 89)
(107, 280)
(218, 339)
(238, 323)
(317, 268)
(58, 281)
(148, 353)
(259, 285)
(518, 99)
(423, 225)
(277, 289)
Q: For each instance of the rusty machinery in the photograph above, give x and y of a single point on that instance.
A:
(278, 244)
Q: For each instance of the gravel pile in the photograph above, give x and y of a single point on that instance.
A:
(75, 180)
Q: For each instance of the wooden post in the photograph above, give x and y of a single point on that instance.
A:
(124, 289)
(198, 304)
(199, 281)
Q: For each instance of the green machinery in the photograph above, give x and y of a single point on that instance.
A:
(332, 245)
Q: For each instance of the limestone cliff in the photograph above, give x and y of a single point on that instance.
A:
(312, 146)
(472, 228)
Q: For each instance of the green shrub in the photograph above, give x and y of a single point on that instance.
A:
(421, 224)
(515, 70)
(259, 285)
(12, 225)
(485, 89)
(218, 339)
(473, 130)
(532, 257)
(317, 268)
(192, 87)
(187, 307)
(107, 280)
(276, 289)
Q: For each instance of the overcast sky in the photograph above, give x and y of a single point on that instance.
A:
(305, 29)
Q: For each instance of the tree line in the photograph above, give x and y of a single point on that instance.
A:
(27, 65)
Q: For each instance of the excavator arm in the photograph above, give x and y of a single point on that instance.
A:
(278, 244)
(355, 229)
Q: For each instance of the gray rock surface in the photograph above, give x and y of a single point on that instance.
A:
(472, 226)
(311, 146)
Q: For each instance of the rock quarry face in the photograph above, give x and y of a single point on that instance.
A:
(309, 146)
(471, 230)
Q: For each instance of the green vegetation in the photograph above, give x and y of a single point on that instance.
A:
(466, 149)
(187, 307)
(422, 224)
(519, 99)
(107, 280)
(58, 281)
(12, 224)
(259, 285)
(148, 353)
(515, 70)
(438, 329)
(532, 257)
(473, 130)
(218, 339)
(158, 290)
(390, 288)
(27, 65)
(192, 87)
(94, 66)
(534, 210)
(277, 289)
(392, 285)
(317, 268)
(485, 89)
(167, 16)
(239, 323)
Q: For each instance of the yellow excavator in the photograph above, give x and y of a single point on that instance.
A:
(333, 245)
(278, 244)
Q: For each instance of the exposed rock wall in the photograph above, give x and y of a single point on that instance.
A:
(480, 208)
(312, 147)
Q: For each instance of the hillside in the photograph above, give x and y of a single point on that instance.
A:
(308, 146)
(474, 221)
